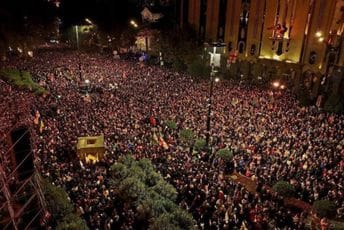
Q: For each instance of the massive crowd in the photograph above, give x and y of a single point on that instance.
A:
(272, 137)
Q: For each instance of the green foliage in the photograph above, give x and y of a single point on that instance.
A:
(21, 79)
(71, 222)
(61, 209)
(200, 144)
(57, 200)
(186, 135)
(179, 65)
(171, 124)
(155, 205)
(225, 154)
(119, 171)
(198, 68)
(166, 190)
(325, 208)
(178, 219)
(334, 104)
(164, 222)
(131, 189)
(304, 96)
(178, 49)
(139, 185)
(284, 189)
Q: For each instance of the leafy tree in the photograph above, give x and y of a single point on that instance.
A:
(60, 207)
(164, 222)
(198, 68)
(284, 189)
(304, 96)
(334, 104)
(21, 79)
(57, 200)
(171, 124)
(166, 190)
(155, 206)
(200, 144)
(71, 222)
(131, 189)
(139, 185)
(325, 208)
(186, 135)
(179, 219)
(225, 154)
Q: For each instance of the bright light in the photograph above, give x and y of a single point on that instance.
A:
(276, 84)
(30, 53)
(88, 21)
(87, 81)
(20, 50)
(276, 57)
(321, 39)
(217, 79)
(133, 23)
(282, 86)
(318, 34)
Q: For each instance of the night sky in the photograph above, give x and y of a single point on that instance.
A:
(105, 13)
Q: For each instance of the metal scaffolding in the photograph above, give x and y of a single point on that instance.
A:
(22, 203)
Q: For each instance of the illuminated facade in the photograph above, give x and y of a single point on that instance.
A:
(309, 32)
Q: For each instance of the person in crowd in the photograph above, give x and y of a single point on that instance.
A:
(273, 139)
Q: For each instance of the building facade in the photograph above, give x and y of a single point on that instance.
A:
(308, 32)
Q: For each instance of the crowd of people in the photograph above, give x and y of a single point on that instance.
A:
(272, 138)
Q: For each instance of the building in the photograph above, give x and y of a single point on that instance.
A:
(308, 32)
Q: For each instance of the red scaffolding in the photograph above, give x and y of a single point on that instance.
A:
(22, 203)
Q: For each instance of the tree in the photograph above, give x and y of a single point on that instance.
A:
(198, 68)
(186, 135)
(61, 209)
(171, 124)
(178, 219)
(131, 189)
(57, 200)
(200, 144)
(225, 154)
(139, 185)
(334, 104)
(325, 208)
(166, 190)
(22, 79)
(284, 189)
(71, 222)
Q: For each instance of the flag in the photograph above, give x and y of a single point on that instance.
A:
(152, 121)
(162, 143)
(155, 138)
(41, 127)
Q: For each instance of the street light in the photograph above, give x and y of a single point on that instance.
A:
(88, 21)
(318, 34)
(77, 36)
(215, 62)
(133, 23)
(276, 84)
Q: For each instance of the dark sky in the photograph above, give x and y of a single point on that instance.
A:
(104, 12)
